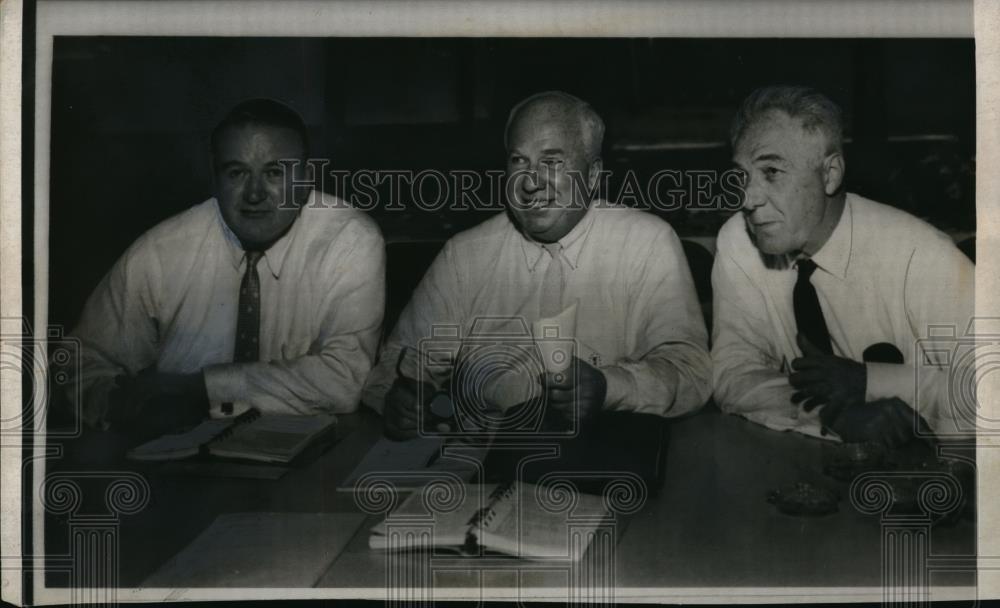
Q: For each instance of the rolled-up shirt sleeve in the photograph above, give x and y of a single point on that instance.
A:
(669, 370)
(747, 365)
(330, 376)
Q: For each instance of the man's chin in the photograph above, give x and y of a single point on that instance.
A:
(257, 239)
(767, 244)
(548, 234)
(536, 226)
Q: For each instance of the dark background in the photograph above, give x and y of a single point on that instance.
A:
(131, 118)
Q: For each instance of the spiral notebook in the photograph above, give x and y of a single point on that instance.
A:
(274, 438)
(514, 518)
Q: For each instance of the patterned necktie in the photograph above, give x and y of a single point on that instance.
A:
(808, 314)
(248, 317)
(552, 283)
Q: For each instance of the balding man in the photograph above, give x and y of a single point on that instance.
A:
(639, 332)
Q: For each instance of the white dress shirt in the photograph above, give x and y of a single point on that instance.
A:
(171, 301)
(638, 318)
(882, 276)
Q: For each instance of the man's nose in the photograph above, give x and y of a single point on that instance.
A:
(753, 197)
(534, 179)
(255, 191)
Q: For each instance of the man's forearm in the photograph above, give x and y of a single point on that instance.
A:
(670, 382)
(307, 385)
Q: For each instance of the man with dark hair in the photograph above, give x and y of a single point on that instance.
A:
(821, 296)
(639, 334)
(268, 295)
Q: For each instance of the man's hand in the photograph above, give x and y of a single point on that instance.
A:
(153, 402)
(889, 422)
(819, 379)
(579, 391)
(400, 416)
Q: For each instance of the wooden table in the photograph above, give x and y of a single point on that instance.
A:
(710, 526)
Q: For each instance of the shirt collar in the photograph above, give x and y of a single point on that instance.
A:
(572, 243)
(274, 256)
(835, 254)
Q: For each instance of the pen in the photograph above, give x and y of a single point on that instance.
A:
(434, 458)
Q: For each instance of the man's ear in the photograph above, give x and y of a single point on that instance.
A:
(594, 174)
(833, 173)
(308, 176)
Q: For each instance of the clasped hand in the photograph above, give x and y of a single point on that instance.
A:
(579, 392)
(400, 416)
(838, 386)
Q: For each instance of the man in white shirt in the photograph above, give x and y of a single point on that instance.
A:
(639, 333)
(822, 297)
(267, 295)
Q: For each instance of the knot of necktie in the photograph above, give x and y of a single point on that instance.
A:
(253, 257)
(806, 268)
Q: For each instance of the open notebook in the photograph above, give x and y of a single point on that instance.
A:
(275, 438)
(507, 518)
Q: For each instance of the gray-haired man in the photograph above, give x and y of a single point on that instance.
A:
(639, 329)
(821, 296)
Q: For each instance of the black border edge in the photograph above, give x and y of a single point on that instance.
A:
(28, 45)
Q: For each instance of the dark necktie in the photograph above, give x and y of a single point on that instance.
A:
(248, 317)
(808, 314)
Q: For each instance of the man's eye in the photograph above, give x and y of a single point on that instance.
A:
(517, 160)
(235, 173)
(771, 172)
(275, 173)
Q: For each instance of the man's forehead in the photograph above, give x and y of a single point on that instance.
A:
(273, 139)
(544, 129)
(778, 134)
(261, 132)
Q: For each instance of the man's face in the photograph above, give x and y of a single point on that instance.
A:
(545, 156)
(254, 192)
(786, 187)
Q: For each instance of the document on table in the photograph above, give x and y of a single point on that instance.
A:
(412, 463)
(260, 550)
(181, 445)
